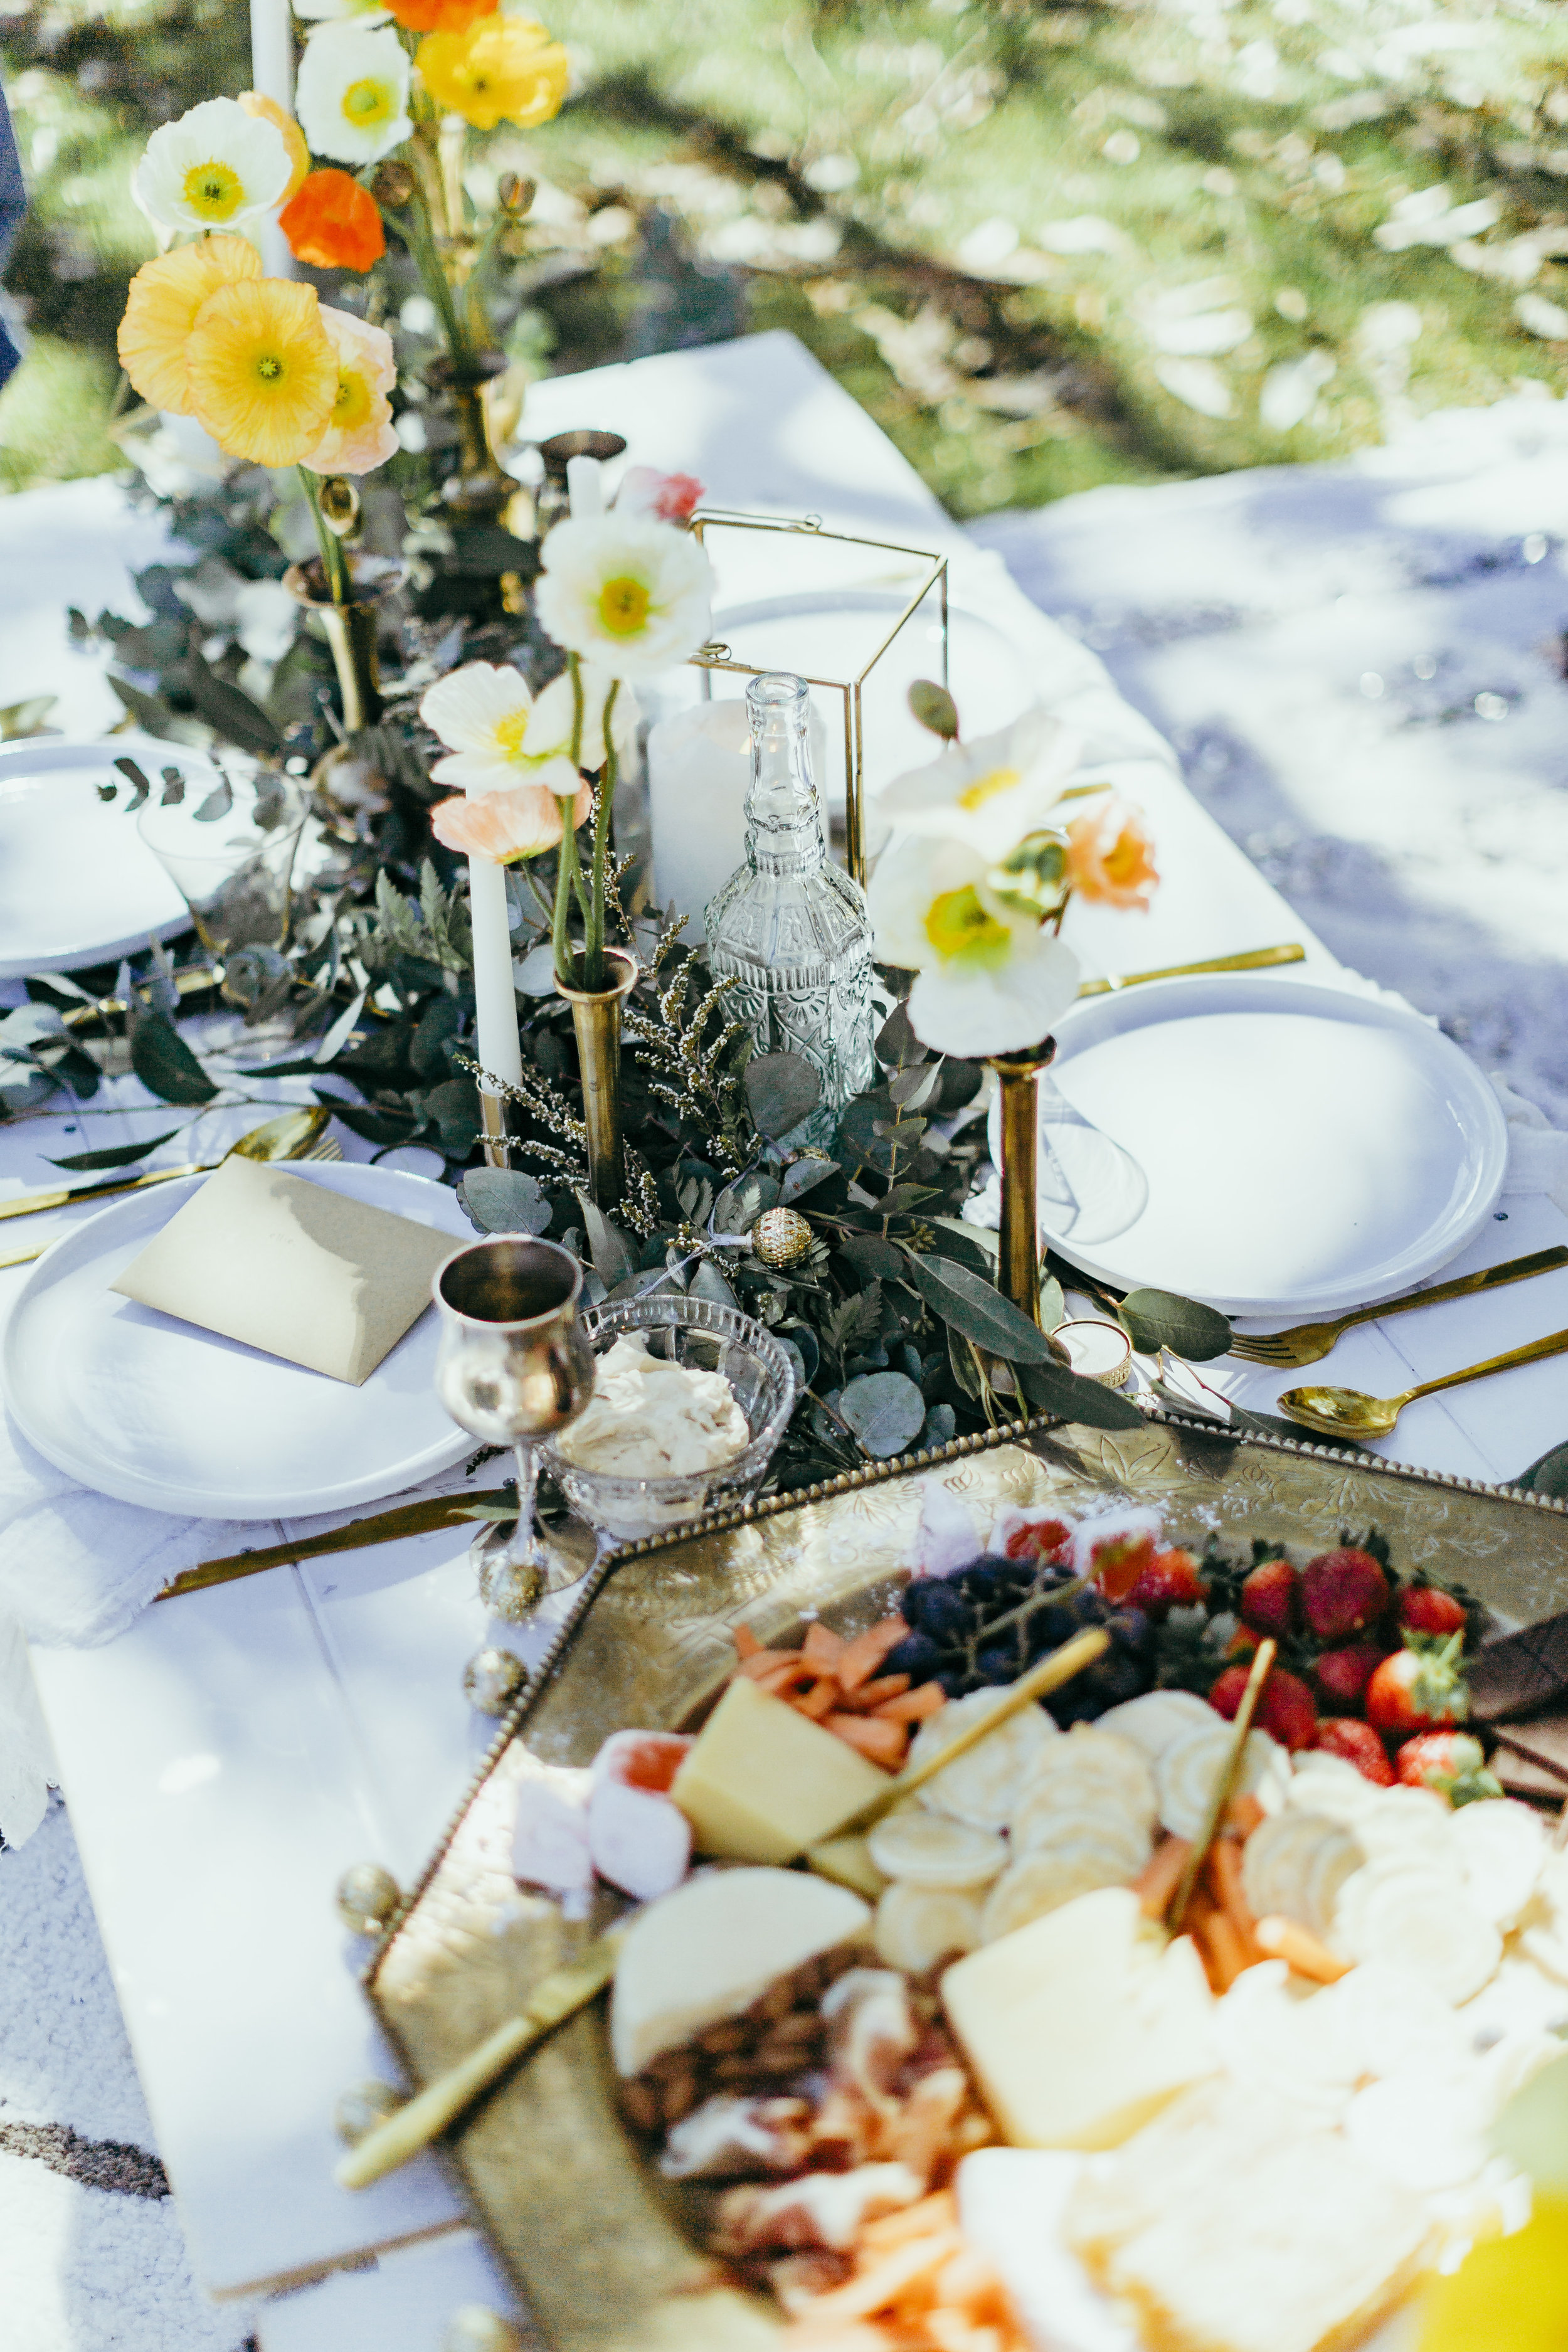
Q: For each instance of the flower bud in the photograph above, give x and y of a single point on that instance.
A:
(393, 186)
(515, 195)
(340, 505)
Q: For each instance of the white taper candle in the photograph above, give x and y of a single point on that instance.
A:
(495, 999)
(585, 487)
(272, 76)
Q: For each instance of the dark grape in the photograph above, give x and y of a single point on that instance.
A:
(1132, 1631)
(999, 1665)
(931, 1606)
(916, 1655)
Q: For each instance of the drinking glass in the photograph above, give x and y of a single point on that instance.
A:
(230, 854)
(514, 1365)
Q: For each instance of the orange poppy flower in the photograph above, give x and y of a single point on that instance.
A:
(505, 827)
(333, 222)
(266, 110)
(1110, 856)
(441, 16)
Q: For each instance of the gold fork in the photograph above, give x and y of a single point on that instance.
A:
(1308, 1343)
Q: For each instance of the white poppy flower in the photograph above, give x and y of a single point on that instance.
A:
(351, 96)
(990, 980)
(364, 13)
(988, 793)
(502, 737)
(632, 594)
(216, 167)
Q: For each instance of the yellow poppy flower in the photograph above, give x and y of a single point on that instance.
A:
(262, 373)
(161, 309)
(266, 110)
(501, 67)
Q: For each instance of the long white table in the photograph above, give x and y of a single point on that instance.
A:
(230, 1754)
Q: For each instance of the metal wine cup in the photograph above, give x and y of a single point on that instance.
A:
(513, 1365)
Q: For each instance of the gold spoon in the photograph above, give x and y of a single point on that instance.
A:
(296, 1135)
(1350, 1413)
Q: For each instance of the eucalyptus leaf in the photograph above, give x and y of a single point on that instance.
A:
(1154, 1319)
(940, 1427)
(869, 1254)
(341, 1030)
(503, 1200)
(165, 1064)
(977, 1309)
(911, 1090)
(1051, 1388)
(612, 1255)
(707, 1282)
(454, 1108)
(137, 781)
(896, 1045)
(803, 1340)
(1549, 1475)
(781, 1089)
(886, 1412)
(803, 1176)
(900, 1199)
(150, 710)
(934, 707)
(965, 1238)
(119, 1155)
(230, 713)
(216, 803)
(1053, 1305)
(534, 973)
(371, 1123)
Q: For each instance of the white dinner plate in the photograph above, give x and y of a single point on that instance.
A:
(78, 883)
(156, 1411)
(1304, 1150)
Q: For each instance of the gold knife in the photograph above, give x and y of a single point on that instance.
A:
(29, 1201)
(1252, 960)
(428, 1517)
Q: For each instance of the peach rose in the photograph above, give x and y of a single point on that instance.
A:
(505, 825)
(1110, 856)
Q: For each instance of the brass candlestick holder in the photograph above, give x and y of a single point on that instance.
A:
(1019, 1266)
(596, 1020)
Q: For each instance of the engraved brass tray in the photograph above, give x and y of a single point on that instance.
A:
(586, 2231)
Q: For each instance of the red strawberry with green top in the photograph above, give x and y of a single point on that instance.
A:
(1452, 1762)
(1358, 1743)
(1418, 1688)
(1424, 1608)
(1342, 1675)
(1045, 1539)
(1269, 1597)
(1287, 1710)
(1170, 1581)
(1341, 1592)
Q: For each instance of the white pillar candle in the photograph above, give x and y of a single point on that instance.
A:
(495, 999)
(272, 76)
(585, 487)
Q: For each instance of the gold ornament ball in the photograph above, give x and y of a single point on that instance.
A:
(367, 1896)
(475, 2327)
(781, 1237)
(492, 1680)
(361, 2109)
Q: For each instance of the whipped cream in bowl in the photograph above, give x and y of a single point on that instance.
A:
(690, 1402)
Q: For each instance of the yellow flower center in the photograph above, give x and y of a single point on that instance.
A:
(268, 367)
(509, 732)
(961, 931)
(985, 788)
(624, 606)
(368, 102)
(351, 406)
(213, 190)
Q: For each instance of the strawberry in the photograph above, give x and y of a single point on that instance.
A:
(1046, 1539)
(1341, 1592)
(1342, 1675)
(1358, 1743)
(1287, 1710)
(1120, 1562)
(1417, 1688)
(1424, 1608)
(1269, 1597)
(1170, 1581)
(1452, 1762)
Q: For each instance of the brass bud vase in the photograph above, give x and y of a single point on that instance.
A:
(351, 629)
(1020, 1246)
(597, 1019)
(482, 489)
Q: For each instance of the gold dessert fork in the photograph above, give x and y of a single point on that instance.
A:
(1308, 1343)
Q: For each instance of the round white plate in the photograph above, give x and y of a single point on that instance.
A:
(1304, 1150)
(154, 1410)
(78, 884)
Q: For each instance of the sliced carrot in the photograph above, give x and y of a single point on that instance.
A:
(883, 1742)
(1225, 1955)
(819, 1700)
(1282, 1940)
(860, 1658)
(1223, 1870)
(871, 1695)
(1242, 1816)
(1161, 1876)
(765, 1662)
(746, 1643)
(913, 1707)
(938, 2211)
(887, 2280)
(784, 1677)
(821, 1649)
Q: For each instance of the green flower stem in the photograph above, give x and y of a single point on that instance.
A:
(575, 672)
(561, 935)
(422, 244)
(594, 957)
(332, 561)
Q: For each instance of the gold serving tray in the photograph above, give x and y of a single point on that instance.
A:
(590, 2235)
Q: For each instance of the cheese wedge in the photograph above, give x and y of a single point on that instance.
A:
(764, 1783)
(710, 1948)
(1080, 2026)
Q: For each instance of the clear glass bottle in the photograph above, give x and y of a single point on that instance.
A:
(789, 924)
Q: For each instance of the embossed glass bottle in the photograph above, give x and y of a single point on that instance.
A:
(789, 925)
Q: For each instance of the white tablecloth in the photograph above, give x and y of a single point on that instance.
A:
(227, 1755)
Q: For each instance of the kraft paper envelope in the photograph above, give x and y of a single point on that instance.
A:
(292, 1267)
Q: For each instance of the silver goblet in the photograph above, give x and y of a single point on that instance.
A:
(513, 1365)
